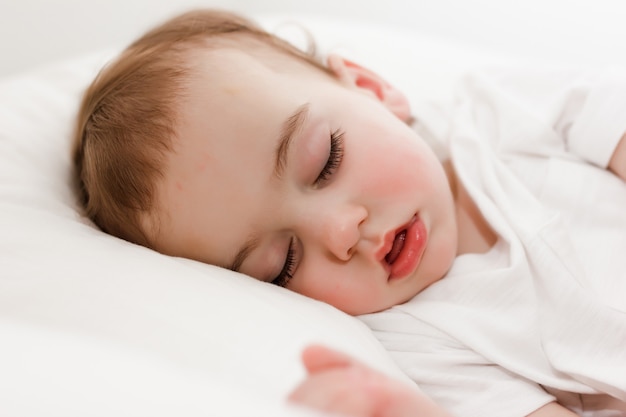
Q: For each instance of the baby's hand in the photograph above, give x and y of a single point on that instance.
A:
(337, 383)
(617, 164)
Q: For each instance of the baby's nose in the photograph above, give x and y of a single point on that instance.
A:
(340, 231)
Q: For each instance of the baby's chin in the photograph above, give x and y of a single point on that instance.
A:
(441, 260)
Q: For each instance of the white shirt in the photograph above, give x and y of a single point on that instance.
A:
(542, 315)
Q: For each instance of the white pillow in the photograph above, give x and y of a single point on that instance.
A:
(85, 317)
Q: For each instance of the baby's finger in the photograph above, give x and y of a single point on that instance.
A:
(317, 358)
(334, 391)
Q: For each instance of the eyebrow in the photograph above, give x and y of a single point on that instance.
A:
(290, 128)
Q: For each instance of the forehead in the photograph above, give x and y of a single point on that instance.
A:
(221, 55)
(238, 97)
(242, 83)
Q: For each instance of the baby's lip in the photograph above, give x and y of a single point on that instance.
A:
(388, 240)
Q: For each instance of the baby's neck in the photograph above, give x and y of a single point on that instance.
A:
(474, 233)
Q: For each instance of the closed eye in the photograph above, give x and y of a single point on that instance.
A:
(288, 270)
(335, 156)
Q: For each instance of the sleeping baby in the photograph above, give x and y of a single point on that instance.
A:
(493, 274)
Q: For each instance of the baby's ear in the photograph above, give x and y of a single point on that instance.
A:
(356, 76)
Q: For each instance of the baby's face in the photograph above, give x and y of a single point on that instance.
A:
(289, 176)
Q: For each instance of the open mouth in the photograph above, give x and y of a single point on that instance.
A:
(396, 248)
(403, 251)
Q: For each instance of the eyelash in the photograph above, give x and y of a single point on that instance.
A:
(334, 157)
(287, 272)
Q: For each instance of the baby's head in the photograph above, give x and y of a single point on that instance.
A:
(210, 139)
(130, 114)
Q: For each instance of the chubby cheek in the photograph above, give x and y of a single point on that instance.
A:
(390, 173)
(342, 298)
(337, 288)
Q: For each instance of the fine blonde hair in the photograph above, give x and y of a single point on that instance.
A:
(127, 119)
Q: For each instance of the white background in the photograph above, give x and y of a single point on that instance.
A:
(33, 32)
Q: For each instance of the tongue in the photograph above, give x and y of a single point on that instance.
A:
(398, 244)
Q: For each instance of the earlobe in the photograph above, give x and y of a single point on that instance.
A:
(356, 76)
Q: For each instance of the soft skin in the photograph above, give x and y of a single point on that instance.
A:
(220, 190)
(617, 164)
(337, 383)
